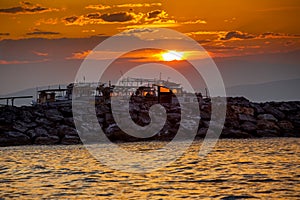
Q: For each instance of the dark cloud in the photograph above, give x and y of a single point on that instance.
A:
(94, 16)
(154, 14)
(71, 19)
(26, 3)
(237, 34)
(20, 9)
(117, 17)
(25, 8)
(3, 34)
(38, 32)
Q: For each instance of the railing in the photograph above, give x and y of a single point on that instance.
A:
(13, 99)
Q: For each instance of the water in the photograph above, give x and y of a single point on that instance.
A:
(236, 169)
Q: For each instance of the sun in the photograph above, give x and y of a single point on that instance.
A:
(172, 55)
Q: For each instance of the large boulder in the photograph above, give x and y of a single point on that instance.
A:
(37, 132)
(47, 140)
(286, 126)
(274, 111)
(242, 110)
(267, 117)
(267, 125)
(14, 138)
(64, 130)
(246, 117)
(249, 127)
(70, 139)
(54, 115)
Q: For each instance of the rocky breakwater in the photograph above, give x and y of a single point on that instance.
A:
(54, 124)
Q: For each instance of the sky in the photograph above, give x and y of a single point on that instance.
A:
(44, 42)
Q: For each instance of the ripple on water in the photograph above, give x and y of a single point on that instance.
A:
(236, 169)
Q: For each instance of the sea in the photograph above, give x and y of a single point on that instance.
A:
(234, 169)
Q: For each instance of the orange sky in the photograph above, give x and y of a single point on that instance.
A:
(225, 28)
(44, 42)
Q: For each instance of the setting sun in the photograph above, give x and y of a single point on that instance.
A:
(172, 55)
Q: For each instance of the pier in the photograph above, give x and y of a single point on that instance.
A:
(13, 99)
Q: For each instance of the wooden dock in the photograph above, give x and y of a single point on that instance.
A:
(13, 99)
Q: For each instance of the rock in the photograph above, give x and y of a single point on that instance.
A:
(174, 117)
(268, 117)
(205, 115)
(37, 132)
(268, 133)
(246, 117)
(275, 112)
(66, 111)
(288, 107)
(241, 101)
(112, 130)
(13, 138)
(232, 133)
(249, 127)
(109, 118)
(46, 140)
(64, 130)
(286, 126)
(69, 121)
(295, 119)
(243, 110)
(202, 132)
(43, 121)
(70, 139)
(19, 126)
(26, 116)
(54, 115)
(266, 124)
(257, 108)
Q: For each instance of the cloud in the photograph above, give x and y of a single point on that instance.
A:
(117, 17)
(10, 62)
(129, 5)
(159, 17)
(273, 35)
(106, 18)
(237, 35)
(98, 7)
(26, 8)
(40, 53)
(71, 19)
(79, 55)
(50, 21)
(4, 34)
(39, 32)
(157, 14)
(199, 21)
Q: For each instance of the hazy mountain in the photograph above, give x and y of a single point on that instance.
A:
(284, 90)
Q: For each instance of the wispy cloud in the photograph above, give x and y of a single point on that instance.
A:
(40, 53)
(199, 21)
(39, 32)
(79, 55)
(129, 5)
(50, 21)
(26, 8)
(9, 62)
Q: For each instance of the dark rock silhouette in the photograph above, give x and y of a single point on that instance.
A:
(53, 124)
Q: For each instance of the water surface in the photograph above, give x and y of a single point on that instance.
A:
(235, 169)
